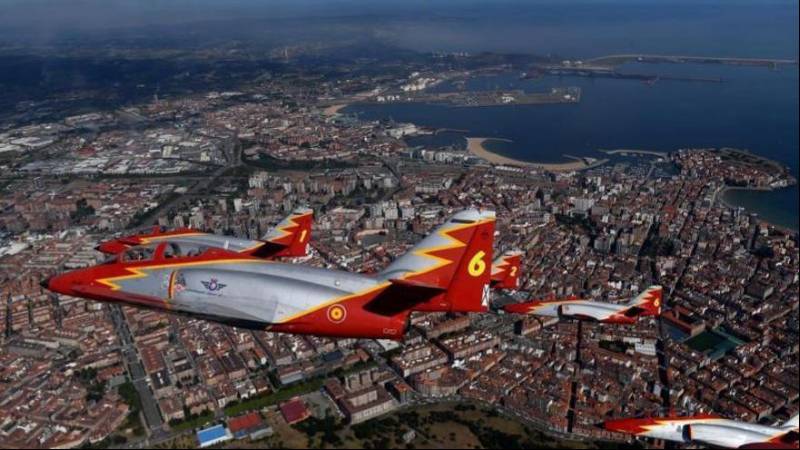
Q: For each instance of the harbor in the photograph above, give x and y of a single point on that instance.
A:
(556, 95)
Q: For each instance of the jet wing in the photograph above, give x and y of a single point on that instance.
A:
(600, 312)
(539, 308)
(402, 295)
(732, 436)
(767, 445)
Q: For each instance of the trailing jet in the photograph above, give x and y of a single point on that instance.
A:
(648, 303)
(505, 270)
(289, 238)
(711, 430)
(447, 271)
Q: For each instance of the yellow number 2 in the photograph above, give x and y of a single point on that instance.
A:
(477, 265)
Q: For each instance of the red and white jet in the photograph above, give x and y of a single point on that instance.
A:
(448, 271)
(505, 270)
(289, 238)
(710, 430)
(648, 303)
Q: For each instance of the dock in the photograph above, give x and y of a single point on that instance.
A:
(615, 60)
(558, 95)
(632, 151)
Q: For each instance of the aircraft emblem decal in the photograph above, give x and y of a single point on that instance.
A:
(337, 313)
(213, 285)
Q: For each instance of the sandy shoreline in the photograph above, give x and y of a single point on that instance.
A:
(475, 145)
(334, 109)
(719, 197)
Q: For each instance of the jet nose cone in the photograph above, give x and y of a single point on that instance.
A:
(110, 247)
(516, 308)
(45, 283)
(61, 284)
(611, 425)
(622, 425)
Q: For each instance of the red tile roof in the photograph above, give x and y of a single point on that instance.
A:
(244, 422)
(295, 411)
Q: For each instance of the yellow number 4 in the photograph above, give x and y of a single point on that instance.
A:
(477, 265)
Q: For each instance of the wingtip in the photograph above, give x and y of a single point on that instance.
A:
(474, 214)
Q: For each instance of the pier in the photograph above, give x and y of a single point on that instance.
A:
(606, 67)
(557, 95)
(610, 72)
(615, 60)
(631, 151)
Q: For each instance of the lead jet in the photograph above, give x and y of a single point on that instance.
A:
(648, 303)
(710, 430)
(289, 238)
(448, 271)
(505, 270)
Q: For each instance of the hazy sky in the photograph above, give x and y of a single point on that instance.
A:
(757, 27)
(75, 14)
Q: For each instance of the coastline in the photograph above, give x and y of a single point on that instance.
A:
(725, 189)
(334, 109)
(719, 197)
(475, 145)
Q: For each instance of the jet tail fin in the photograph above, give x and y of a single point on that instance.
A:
(452, 264)
(291, 236)
(649, 302)
(505, 270)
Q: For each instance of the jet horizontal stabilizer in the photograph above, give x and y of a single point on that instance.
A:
(416, 284)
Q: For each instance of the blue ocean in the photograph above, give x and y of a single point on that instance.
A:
(755, 108)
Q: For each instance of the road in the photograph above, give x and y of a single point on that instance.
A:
(150, 411)
(573, 389)
(663, 338)
(138, 376)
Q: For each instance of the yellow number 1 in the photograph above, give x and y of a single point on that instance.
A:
(303, 236)
(477, 265)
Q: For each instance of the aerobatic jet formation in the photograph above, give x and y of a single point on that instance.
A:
(505, 270)
(287, 239)
(448, 271)
(710, 430)
(648, 303)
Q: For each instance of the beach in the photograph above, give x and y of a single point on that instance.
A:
(723, 191)
(334, 109)
(475, 145)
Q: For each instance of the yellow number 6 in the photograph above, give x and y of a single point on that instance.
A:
(476, 264)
